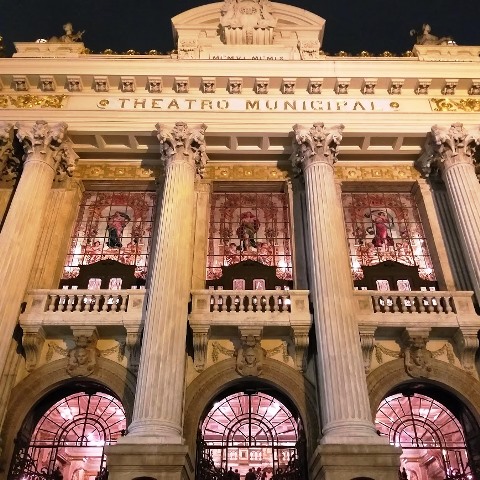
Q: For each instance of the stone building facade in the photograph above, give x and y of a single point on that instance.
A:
(245, 254)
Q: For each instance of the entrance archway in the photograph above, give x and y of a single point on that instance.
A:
(431, 437)
(65, 438)
(251, 430)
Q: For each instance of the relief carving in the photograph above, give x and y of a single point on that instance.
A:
(250, 357)
(82, 359)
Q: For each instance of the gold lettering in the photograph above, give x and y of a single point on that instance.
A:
(292, 105)
(320, 105)
(189, 103)
(122, 102)
(206, 104)
(275, 106)
(252, 105)
(155, 102)
(358, 104)
(173, 104)
(139, 102)
(222, 104)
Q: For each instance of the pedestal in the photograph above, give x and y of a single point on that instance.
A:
(355, 462)
(126, 461)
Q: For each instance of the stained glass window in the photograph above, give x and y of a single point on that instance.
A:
(112, 226)
(251, 226)
(385, 226)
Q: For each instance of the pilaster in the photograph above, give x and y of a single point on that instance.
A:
(202, 208)
(60, 215)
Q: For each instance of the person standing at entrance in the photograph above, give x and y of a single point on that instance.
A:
(230, 474)
(237, 475)
(250, 475)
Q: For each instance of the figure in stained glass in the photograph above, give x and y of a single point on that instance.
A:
(382, 223)
(115, 225)
(249, 225)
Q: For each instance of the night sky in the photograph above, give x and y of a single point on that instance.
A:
(142, 25)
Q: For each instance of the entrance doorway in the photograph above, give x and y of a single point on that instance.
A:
(431, 437)
(66, 440)
(251, 431)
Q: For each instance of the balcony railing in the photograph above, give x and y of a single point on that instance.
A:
(372, 304)
(52, 306)
(219, 306)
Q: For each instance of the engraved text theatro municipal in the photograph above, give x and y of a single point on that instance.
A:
(246, 105)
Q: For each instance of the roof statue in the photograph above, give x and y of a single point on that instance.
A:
(69, 36)
(426, 38)
(245, 22)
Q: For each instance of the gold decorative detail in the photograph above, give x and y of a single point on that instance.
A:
(111, 171)
(408, 53)
(394, 105)
(32, 101)
(448, 105)
(387, 54)
(404, 172)
(103, 103)
(342, 53)
(239, 172)
(364, 53)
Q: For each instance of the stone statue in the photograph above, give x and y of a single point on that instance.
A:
(69, 36)
(250, 357)
(82, 359)
(426, 38)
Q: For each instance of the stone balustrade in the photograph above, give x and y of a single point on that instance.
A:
(65, 307)
(258, 306)
(431, 307)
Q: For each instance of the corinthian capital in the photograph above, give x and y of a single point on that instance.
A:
(183, 144)
(65, 160)
(41, 141)
(315, 144)
(9, 163)
(448, 146)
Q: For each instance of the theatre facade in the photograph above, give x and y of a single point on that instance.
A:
(244, 256)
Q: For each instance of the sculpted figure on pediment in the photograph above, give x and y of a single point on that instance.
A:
(426, 38)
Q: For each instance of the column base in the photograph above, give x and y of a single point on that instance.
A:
(126, 461)
(350, 462)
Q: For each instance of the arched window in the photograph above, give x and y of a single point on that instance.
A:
(250, 431)
(430, 436)
(69, 438)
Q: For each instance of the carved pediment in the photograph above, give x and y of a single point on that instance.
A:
(216, 29)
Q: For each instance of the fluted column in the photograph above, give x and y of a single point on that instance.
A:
(450, 151)
(345, 407)
(158, 411)
(47, 150)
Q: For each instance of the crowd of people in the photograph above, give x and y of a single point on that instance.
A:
(252, 474)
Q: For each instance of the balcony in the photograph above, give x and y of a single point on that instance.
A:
(88, 314)
(258, 312)
(429, 308)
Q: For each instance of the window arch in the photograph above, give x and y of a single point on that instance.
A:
(431, 437)
(250, 430)
(69, 438)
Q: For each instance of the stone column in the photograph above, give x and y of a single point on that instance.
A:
(60, 215)
(154, 444)
(47, 150)
(450, 151)
(345, 409)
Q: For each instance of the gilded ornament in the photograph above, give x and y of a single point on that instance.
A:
(394, 104)
(448, 105)
(32, 101)
(387, 54)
